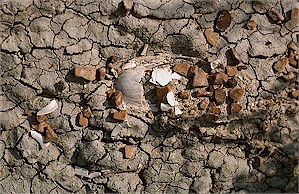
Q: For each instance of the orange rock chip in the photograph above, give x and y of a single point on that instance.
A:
(50, 135)
(200, 79)
(211, 37)
(130, 151)
(220, 96)
(161, 92)
(181, 68)
(280, 65)
(184, 95)
(86, 72)
(83, 121)
(294, 93)
(223, 20)
(235, 108)
(87, 112)
(111, 92)
(121, 115)
(219, 78)
(41, 118)
(294, 13)
(251, 25)
(117, 98)
(231, 70)
(236, 93)
(42, 127)
(204, 103)
(289, 76)
(213, 109)
(101, 73)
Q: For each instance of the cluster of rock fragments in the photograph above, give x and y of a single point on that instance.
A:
(134, 96)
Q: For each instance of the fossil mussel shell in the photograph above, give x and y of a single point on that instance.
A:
(48, 109)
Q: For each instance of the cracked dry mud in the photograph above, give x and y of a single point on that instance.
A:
(238, 93)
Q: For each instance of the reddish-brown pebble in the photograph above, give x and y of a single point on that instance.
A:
(292, 59)
(293, 46)
(223, 20)
(294, 93)
(161, 92)
(184, 95)
(236, 93)
(182, 68)
(42, 127)
(130, 151)
(213, 109)
(289, 76)
(280, 65)
(231, 70)
(111, 92)
(87, 112)
(200, 79)
(83, 121)
(220, 96)
(117, 98)
(275, 16)
(235, 108)
(211, 37)
(41, 118)
(219, 78)
(121, 115)
(50, 135)
(204, 103)
(86, 72)
(294, 13)
(271, 103)
(101, 73)
(251, 25)
(235, 57)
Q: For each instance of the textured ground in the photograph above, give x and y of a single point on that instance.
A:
(254, 149)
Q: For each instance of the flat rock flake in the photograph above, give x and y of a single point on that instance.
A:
(133, 96)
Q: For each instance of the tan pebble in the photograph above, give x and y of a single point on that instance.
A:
(41, 118)
(294, 93)
(213, 109)
(130, 151)
(184, 95)
(211, 37)
(251, 25)
(121, 115)
(128, 4)
(235, 108)
(117, 98)
(235, 57)
(231, 70)
(294, 13)
(293, 46)
(292, 59)
(223, 20)
(50, 135)
(42, 127)
(236, 93)
(220, 96)
(219, 78)
(101, 73)
(275, 16)
(193, 70)
(86, 72)
(280, 65)
(200, 79)
(181, 68)
(204, 103)
(112, 59)
(83, 121)
(87, 112)
(289, 76)
(161, 92)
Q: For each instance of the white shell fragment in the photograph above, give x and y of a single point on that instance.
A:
(163, 76)
(128, 66)
(170, 99)
(48, 109)
(129, 84)
(39, 138)
(165, 107)
(177, 111)
(85, 173)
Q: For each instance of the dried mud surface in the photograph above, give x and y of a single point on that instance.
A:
(241, 135)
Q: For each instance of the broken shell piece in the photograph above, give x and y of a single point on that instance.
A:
(39, 138)
(177, 111)
(170, 99)
(165, 107)
(48, 109)
(81, 171)
(114, 72)
(94, 175)
(163, 76)
(128, 66)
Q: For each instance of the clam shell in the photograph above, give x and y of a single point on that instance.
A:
(39, 138)
(48, 109)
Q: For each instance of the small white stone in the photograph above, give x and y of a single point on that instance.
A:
(170, 99)
(165, 107)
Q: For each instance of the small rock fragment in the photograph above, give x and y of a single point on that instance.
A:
(231, 83)
(121, 115)
(258, 161)
(275, 16)
(203, 93)
(112, 59)
(236, 93)
(184, 95)
(280, 65)
(86, 72)
(117, 98)
(223, 20)
(220, 96)
(241, 67)
(144, 50)
(219, 78)
(289, 76)
(110, 92)
(235, 108)
(251, 25)
(128, 4)
(87, 112)
(200, 79)
(130, 151)
(181, 68)
(161, 92)
(204, 103)
(39, 138)
(50, 135)
(213, 109)
(293, 59)
(234, 56)
(211, 37)
(293, 46)
(294, 13)
(83, 121)
(231, 71)
(101, 73)
(42, 127)
(41, 118)
(271, 103)
(294, 94)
